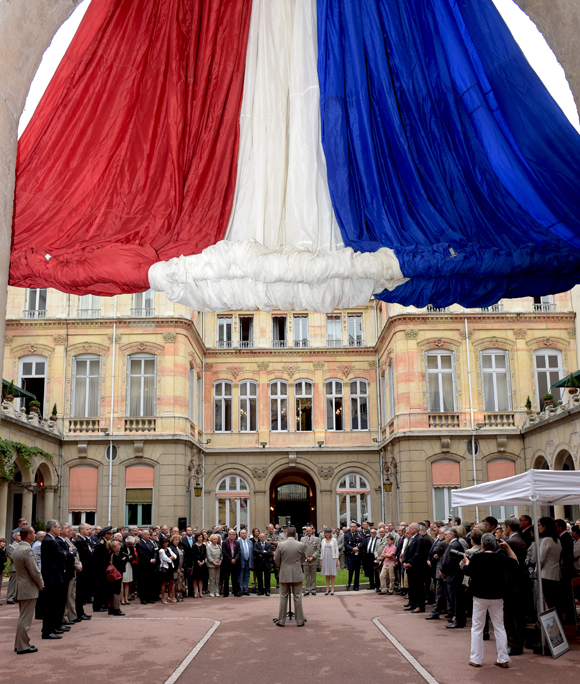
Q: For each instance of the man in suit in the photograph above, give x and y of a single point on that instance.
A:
(53, 568)
(262, 564)
(354, 543)
(434, 562)
(290, 557)
(187, 543)
(311, 545)
(416, 566)
(452, 574)
(84, 578)
(28, 583)
(517, 599)
(72, 563)
(101, 560)
(567, 606)
(368, 559)
(527, 530)
(146, 564)
(246, 562)
(230, 564)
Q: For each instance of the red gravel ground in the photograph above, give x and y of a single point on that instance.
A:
(340, 643)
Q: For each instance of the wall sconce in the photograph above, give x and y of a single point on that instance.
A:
(197, 488)
(388, 486)
(375, 440)
(208, 441)
(263, 444)
(320, 444)
(197, 472)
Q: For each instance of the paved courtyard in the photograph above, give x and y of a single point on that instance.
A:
(348, 638)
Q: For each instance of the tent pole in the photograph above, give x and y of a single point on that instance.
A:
(471, 413)
(538, 568)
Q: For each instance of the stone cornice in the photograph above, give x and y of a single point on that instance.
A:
(302, 352)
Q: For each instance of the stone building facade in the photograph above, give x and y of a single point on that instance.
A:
(276, 416)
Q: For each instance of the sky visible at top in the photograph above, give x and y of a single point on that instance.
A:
(523, 29)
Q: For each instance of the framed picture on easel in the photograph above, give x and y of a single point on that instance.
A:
(553, 632)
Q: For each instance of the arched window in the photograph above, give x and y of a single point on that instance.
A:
(222, 406)
(86, 400)
(248, 406)
(139, 482)
(32, 378)
(498, 469)
(548, 365)
(495, 380)
(359, 401)
(278, 406)
(82, 495)
(232, 506)
(141, 384)
(333, 391)
(441, 381)
(445, 476)
(353, 499)
(303, 399)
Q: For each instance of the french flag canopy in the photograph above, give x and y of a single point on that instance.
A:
(297, 154)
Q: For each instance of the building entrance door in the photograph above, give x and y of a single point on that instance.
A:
(293, 499)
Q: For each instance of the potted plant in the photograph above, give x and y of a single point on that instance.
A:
(528, 405)
(9, 396)
(548, 399)
(53, 416)
(572, 384)
(34, 406)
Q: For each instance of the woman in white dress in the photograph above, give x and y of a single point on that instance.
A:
(329, 557)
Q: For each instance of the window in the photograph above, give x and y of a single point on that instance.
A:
(494, 380)
(391, 374)
(279, 332)
(200, 403)
(353, 500)
(144, 304)
(222, 407)
(548, 364)
(446, 477)
(246, 332)
(224, 332)
(303, 399)
(192, 389)
(232, 504)
(300, 331)
(440, 381)
(141, 381)
(89, 306)
(86, 400)
(248, 406)
(355, 330)
(278, 406)
(334, 405)
(359, 401)
(32, 378)
(82, 494)
(36, 303)
(139, 482)
(497, 470)
(545, 304)
(333, 332)
(383, 400)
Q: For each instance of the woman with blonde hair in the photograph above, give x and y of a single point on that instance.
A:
(214, 562)
(177, 587)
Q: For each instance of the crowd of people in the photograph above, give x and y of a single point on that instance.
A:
(484, 571)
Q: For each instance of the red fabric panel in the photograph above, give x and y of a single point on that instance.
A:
(131, 157)
(139, 476)
(82, 488)
(445, 474)
(497, 470)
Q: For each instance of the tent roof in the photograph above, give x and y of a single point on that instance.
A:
(18, 391)
(550, 487)
(564, 381)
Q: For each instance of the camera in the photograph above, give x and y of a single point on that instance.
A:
(455, 552)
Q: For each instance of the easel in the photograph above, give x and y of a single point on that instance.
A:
(290, 614)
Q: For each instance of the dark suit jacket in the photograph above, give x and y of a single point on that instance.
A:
(69, 566)
(450, 563)
(567, 556)
(352, 541)
(52, 561)
(527, 536)
(146, 553)
(226, 550)
(416, 554)
(187, 551)
(438, 548)
(85, 550)
(263, 559)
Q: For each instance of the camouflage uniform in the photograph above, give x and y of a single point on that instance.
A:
(274, 539)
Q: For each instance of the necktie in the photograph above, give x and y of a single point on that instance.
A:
(245, 549)
(190, 542)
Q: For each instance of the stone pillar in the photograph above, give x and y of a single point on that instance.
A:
(559, 512)
(3, 508)
(27, 505)
(48, 503)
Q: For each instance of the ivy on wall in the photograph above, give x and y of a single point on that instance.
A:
(10, 451)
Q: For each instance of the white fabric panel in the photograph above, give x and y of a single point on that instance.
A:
(549, 487)
(283, 247)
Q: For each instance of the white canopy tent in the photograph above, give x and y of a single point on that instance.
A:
(535, 488)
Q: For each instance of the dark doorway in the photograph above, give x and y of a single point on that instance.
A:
(293, 499)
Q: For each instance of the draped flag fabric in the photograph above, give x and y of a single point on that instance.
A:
(397, 148)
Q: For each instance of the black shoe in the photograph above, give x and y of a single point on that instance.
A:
(348, 586)
(267, 593)
(356, 588)
(118, 613)
(100, 610)
(515, 651)
(78, 620)
(406, 605)
(52, 636)
(10, 602)
(65, 628)
(69, 622)
(486, 636)
(433, 616)
(454, 625)
(449, 615)
(32, 649)
(86, 617)
(58, 631)
(279, 625)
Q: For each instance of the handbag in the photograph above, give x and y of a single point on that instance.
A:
(113, 575)
(180, 583)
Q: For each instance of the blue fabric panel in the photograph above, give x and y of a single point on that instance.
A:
(443, 144)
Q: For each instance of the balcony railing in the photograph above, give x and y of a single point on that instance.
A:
(89, 313)
(34, 314)
(224, 344)
(279, 344)
(499, 420)
(545, 307)
(140, 424)
(333, 343)
(143, 313)
(431, 309)
(301, 343)
(356, 342)
(443, 420)
(494, 308)
(246, 344)
(84, 425)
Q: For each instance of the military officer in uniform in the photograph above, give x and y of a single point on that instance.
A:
(52, 568)
(354, 544)
(28, 583)
(274, 538)
(101, 560)
(290, 556)
(70, 612)
(11, 593)
(312, 549)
